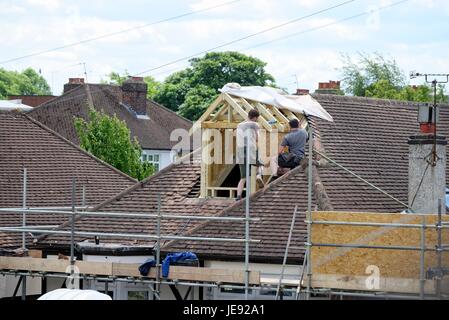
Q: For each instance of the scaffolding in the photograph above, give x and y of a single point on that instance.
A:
(437, 273)
(250, 279)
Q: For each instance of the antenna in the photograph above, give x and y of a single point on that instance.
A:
(439, 78)
(296, 78)
(85, 72)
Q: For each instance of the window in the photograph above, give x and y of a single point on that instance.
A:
(138, 295)
(154, 159)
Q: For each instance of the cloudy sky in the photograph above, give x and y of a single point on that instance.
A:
(414, 32)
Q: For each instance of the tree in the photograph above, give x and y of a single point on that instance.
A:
(118, 79)
(196, 101)
(27, 82)
(109, 139)
(183, 89)
(377, 77)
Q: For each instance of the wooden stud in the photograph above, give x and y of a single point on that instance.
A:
(264, 113)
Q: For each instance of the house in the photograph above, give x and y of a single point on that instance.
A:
(368, 136)
(150, 122)
(32, 100)
(51, 162)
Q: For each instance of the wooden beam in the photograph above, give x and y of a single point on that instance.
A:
(235, 106)
(281, 117)
(264, 112)
(218, 125)
(207, 113)
(290, 114)
(127, 270)
(223, 110)
(205, 154)
(243, 113)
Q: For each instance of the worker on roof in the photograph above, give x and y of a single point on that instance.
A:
(247, 139)
(292, 149)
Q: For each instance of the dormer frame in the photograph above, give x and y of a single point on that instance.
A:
(220, 121)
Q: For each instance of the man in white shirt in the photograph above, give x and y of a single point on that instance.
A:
(248, 135)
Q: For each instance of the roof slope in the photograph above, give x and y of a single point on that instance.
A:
(368, 136)
(173, 184)
(154, 133)
(51, 163)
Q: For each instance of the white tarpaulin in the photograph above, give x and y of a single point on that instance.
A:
(74, 294)
(9, 105)
(275, 97)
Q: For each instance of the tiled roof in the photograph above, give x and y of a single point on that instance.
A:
(51, 163)
(173, 184)
(368, 136)
(154, 133)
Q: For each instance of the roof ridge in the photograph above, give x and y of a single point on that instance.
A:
(56, 98)
(77, 147)
(373, 100)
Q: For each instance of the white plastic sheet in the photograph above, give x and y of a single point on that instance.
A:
(275, 97)
(74, 294)
(9, 105)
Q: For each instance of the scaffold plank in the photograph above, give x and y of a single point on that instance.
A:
(127, 270)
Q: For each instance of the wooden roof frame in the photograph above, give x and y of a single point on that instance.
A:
(271, 117)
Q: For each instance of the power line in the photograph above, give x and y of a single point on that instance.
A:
(247, 37)
(328, 24)
(321, 27)
(119, 32)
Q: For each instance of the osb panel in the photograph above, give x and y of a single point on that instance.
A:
(391, 263)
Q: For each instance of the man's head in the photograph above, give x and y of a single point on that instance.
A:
(253, 115)
(294, 124)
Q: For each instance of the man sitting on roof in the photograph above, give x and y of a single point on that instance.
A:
(248, 138)
(291, 151)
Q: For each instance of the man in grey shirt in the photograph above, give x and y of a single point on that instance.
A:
(295, 142)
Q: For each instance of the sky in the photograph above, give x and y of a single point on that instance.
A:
(414, 33)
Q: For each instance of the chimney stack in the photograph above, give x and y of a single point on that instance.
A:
(427, 180)
(73, 83)
(331, 87)
(134, 94)
(302, 92)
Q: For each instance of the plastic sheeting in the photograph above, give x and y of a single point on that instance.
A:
(275, 97)
(74, 294)
(9, 105)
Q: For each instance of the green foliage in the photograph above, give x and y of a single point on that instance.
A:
(196, 102)
(185, 91)
(109, 139)
(377, 77)
(118, 79)
(27, 82)
(363, 75)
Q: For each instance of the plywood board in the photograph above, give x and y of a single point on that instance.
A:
(358, 283)
(354, 262)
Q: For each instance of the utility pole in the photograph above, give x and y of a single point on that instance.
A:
(444, 78)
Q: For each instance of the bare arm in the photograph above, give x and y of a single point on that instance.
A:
(282, 149)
